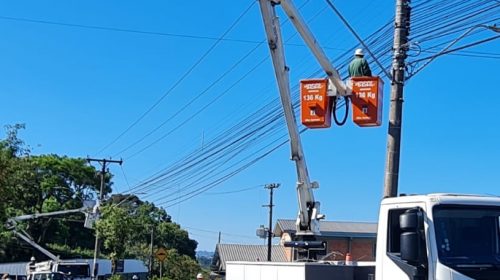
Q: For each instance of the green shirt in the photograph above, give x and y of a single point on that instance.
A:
(359, 67)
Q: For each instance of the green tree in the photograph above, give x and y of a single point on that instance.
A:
(140, 218)
(38, 184)
(45, 183)
(171, 235)
(180, 267)
(116, 228)
(14, 173)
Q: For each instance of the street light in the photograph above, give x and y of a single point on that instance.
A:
(129, 195)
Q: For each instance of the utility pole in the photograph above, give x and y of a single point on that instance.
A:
(271, 188)
(151, 254)
(103, 163)
(401, 31)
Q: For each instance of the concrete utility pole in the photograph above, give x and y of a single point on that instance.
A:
(401, 31)
(271, 188)
(103, 163)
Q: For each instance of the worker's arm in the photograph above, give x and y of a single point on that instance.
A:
(366, 68)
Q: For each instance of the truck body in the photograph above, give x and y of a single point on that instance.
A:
(435, 236)
(431, 237)
(297, 271)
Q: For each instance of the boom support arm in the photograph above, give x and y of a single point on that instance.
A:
(337, 86)
(11, 224)
(34, 244)
(309, 209)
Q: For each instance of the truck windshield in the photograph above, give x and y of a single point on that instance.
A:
(468, 237)
(49, 276)
(74, 270)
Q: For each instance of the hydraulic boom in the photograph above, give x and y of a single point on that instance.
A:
(309, 209)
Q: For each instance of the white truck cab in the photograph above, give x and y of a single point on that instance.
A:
(73, 270)
(47, 275)
(439, 236)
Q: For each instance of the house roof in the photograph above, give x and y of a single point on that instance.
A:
(130, 265)
(332, 229)
(240, 252)
(13, 268)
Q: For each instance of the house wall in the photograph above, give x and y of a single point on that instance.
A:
(288, 250)
(362, 249)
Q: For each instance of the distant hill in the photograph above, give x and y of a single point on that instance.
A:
(204, 258)
(206, 254)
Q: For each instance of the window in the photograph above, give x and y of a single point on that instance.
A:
(467, 234)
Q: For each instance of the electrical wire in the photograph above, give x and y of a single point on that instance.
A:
(218, 165)
(334, 110)
(125, 30)
(192, 101)
(181, 79)
(235, 191)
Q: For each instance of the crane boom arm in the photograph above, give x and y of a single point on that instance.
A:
(12, 223)
(336, 84)
(55, 213)
(309, 215)
(34, 244)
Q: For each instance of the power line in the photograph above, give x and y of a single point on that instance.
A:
(192, 101)
(222, 232)
(181, 79)
(380, 41)
(261, 122)
(125, 30)
(235, 191)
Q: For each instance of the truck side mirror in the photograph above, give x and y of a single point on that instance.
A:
(410, 224)
(409, 247)
(409, 220)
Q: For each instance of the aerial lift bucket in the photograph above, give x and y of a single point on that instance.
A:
(314, 104)
(366, 99)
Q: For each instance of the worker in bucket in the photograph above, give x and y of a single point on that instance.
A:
(359, 66)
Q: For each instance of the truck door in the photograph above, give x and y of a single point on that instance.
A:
(402, 248)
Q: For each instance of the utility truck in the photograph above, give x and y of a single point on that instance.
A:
(72, 270)
(47, 275)
(431, 237)
(54, 267)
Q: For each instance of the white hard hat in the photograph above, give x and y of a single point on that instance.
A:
(199, 276)
(359, 52)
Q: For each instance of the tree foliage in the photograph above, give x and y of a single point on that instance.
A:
(128, 220)
(45, 183)
(33, 184)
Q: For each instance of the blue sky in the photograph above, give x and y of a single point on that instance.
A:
(78, 88)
